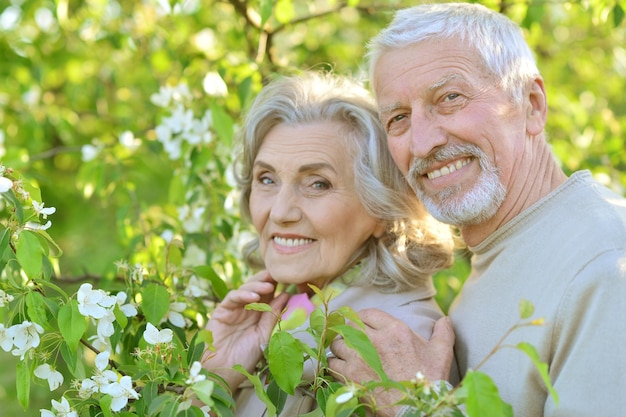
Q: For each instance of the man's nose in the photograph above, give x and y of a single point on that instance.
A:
(427, 134)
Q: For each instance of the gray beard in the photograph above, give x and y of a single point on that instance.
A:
(451, 205)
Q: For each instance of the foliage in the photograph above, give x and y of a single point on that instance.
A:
(121, 116)
(476, 395)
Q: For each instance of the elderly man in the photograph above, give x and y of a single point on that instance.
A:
(464, 108)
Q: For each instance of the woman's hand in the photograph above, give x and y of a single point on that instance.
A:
(239, 333)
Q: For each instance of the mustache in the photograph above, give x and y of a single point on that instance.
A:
(420, 166)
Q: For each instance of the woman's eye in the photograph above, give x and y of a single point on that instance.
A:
(266, 180)
(321, 185)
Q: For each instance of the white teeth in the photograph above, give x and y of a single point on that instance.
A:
(448, 169)
(291, 242)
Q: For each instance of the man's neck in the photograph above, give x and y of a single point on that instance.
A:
(543, 177)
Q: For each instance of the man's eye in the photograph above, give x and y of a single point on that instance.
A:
(397, 118)
(451, 96)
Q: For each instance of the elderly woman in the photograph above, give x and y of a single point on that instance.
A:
(331, 210)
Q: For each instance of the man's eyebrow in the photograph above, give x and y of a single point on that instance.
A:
(445, 80)
(385, 110)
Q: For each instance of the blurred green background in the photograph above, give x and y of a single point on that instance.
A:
(82, 73)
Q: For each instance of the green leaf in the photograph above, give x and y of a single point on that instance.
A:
(191, 412)
(155, 303)
(195, 351)
(170, 409)
(72, 324)
(483, 399)
(150, 392)
(159, 403)
(259, 307)
(105, 405)
(28, 252)
(222, 123)
(53, 248)
(618, 15)
(22, 383)
(348, 313)
(285, 361)
(70, 356)
(526, 309)
(277, 395)
(36, 307)
(120, 317)
(267, 6)
(13, 200)
(358, 340)
(258, 389)
(322, 395)
(204, 390)
(217, 284)
(317, 323)
(542, 367)
(347, 408)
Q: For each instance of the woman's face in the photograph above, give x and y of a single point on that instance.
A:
(304, 204)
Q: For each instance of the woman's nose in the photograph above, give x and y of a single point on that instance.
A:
(286, 206)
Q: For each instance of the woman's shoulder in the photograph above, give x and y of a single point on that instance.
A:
(416, 308)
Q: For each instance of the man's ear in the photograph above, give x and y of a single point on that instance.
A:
(537, 107)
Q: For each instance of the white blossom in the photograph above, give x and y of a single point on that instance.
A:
(348, 395)
(154, 336)
(194, 373)
(44, 212)
(6, 342)
(192, 218)
(180, 121)
(121, 392)
(174, 315)
(5, 298)
(214, 85)
(137, 273)
(47, 372)
(105, 326)
(129, 309)
(168, 94)
(195, 288)
(94, 303)
(129, 141)
(5, 184)
(90, 152)
(25, 336)
(37, 226)
(194, 255)
(102, 360)
(87, 388)
(62, 409)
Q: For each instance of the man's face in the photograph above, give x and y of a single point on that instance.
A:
(450, 127)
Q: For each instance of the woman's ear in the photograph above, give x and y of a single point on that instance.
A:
(380, 229)
(537, 108)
